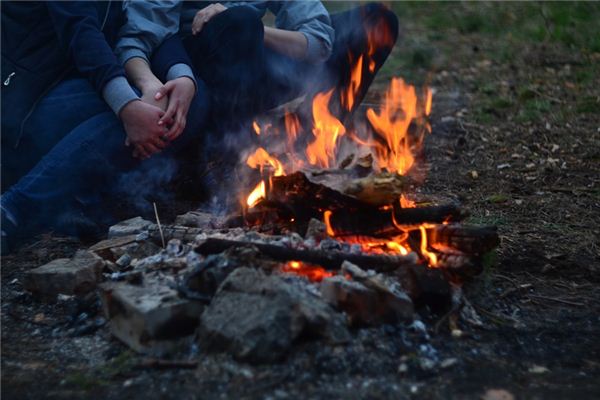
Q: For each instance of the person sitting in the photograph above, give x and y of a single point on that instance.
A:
(69, 110)
(250, 68)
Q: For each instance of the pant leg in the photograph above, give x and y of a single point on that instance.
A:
(228, 55)
(67, 105)
(92, 160)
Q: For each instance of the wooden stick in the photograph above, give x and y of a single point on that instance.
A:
(157, 363)
(330, 260)
(162, 237)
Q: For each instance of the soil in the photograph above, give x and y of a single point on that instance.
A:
(512, 141)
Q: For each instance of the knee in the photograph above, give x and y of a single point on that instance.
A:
(382, 24)
(243, 24)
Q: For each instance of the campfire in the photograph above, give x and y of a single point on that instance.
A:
(330, 233)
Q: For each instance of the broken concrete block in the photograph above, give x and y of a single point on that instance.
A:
(256, 317)
(104, 247)
(390, 303)
(130, 226)
(78, 275)
(198, 219)
(150, 318)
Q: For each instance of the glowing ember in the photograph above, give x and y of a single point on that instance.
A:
(327, 129)
(406, 203)
(257, 194)
(313, 272)
(327, 222)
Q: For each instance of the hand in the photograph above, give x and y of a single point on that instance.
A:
(205, 15)
(180, 93)
(149, 95)
(143, 130)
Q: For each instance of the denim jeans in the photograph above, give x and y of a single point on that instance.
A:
(90, 157)
(60, 111)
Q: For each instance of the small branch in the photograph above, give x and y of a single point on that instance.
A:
(156, 363)
(162, 237)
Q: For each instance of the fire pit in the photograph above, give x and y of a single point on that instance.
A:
(330, 234)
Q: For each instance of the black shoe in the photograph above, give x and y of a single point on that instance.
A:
(9, 228)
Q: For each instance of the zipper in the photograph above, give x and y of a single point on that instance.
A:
(56, 82)
(7, 81)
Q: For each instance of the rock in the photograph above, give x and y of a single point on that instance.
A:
(149, 318)
(198, 219)
(256, 317)
(78, 275)
(129, 227)
(316, 229)
(366, 305)
(391, 302)
(103, 248)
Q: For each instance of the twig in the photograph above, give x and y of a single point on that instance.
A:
(572, 303)
(162, 237)
(156, 363)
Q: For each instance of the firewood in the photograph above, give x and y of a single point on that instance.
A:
(377, 189)
(466, 239)
(330, 260)
(391, 220)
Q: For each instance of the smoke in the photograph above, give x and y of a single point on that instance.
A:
(146, 184)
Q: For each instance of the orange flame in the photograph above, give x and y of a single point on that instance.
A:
(406, 203)
(327, 129)
(292, 127)
(257, 194)
(391, 124)
(431, 257)
(260, 158)
(348, 96)
(256, 127)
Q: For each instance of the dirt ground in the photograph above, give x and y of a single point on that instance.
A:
(516, 139)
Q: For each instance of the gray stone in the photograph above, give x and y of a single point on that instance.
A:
(150, 318)
(198, 219)
(78, 275)
(385, 300)
(104, 247)
(256, 317)
(132, 226)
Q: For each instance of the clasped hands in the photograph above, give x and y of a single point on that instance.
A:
(159, 117)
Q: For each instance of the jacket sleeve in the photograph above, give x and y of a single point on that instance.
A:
(311, 19)
(79, 32)
(148, 24)
(170, 60)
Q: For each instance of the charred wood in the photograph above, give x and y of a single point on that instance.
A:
(330, 260)
(466, 239)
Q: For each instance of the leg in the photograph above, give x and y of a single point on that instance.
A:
(370, 30)
(228, 55)
(62, 109)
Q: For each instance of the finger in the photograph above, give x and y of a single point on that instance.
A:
(171, 110)
(142, 153)
(159, 143)
(198, 21)
(151, 148)
(164, 90)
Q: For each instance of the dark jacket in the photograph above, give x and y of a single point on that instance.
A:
(42, 42)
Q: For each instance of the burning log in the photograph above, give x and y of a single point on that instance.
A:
(466, 239)
(331, 260)
(390, 220)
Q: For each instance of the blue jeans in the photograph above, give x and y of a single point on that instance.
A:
(90, 157)
(60, 111)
